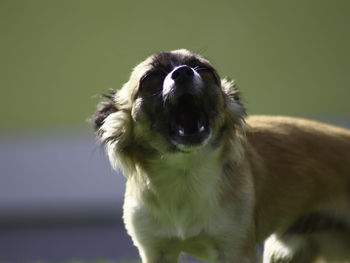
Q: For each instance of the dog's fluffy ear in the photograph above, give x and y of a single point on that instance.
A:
(235, 111)
(113, 125)
(104, 108)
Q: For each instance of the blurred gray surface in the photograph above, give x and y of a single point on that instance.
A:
(60, 200)
(57, 175)
(65, 243)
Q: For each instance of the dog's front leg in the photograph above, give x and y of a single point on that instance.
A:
(159, 257)
(159, 252)
(238, 250)
(232, 254)
(239, 257)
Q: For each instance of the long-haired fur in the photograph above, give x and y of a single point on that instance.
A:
(113, 124)
(215, 183)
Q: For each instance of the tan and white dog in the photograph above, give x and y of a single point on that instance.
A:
(204, 180)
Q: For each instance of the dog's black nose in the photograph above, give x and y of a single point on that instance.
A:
(182, 73)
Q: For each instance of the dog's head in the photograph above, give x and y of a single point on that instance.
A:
(173, 102)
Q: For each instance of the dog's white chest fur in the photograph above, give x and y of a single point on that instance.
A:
(180, 200)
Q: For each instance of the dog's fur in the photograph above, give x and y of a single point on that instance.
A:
(219, 186)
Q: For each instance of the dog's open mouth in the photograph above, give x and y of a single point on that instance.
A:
(189, 122)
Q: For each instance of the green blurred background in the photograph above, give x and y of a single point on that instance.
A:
(288, 57)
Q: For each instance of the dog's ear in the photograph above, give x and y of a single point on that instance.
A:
(113, 125)
(235, 111)
(104, 109)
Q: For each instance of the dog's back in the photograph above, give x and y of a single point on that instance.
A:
(301, 170)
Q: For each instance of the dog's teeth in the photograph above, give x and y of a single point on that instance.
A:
(200, 127)
(181, 132)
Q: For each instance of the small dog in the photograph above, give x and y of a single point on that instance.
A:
(203, 179)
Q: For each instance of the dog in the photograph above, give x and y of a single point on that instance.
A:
(206, 180)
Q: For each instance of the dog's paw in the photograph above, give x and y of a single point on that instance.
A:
(278, 251)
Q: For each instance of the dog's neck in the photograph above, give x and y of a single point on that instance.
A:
(195, 167)
(172, 168)
(182, 191)
(179, 183)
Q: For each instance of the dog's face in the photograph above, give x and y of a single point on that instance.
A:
(178, 98)
(174, 101)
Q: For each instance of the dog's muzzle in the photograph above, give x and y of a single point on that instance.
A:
(183, 98)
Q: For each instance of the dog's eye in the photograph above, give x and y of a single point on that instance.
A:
(151, 80)
(207, 74)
